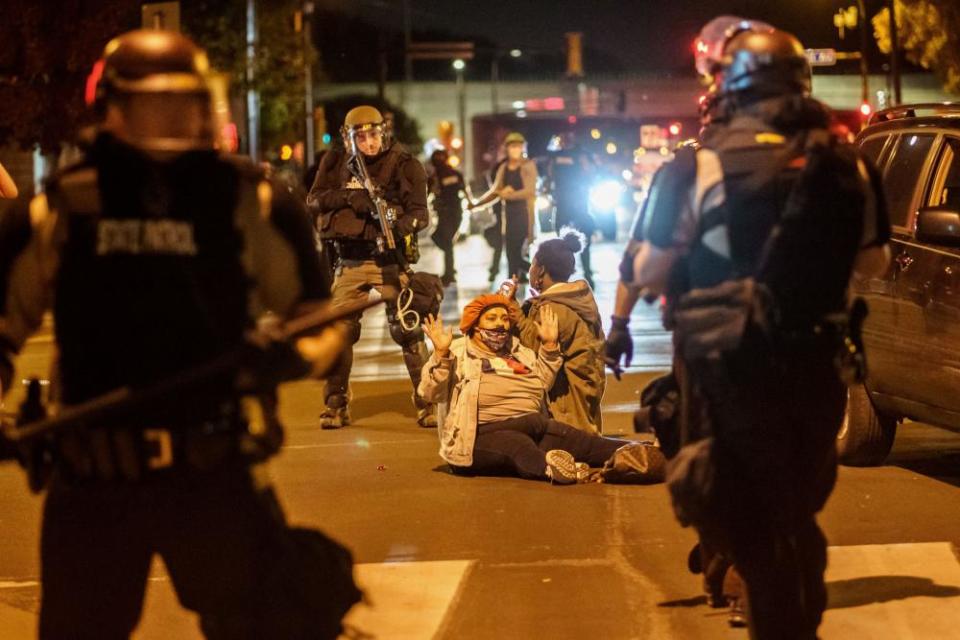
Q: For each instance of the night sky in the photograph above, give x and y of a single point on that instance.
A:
(641, 35)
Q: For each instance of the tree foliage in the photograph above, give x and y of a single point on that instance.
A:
(928, 33)
(48, 50)
(220, 27)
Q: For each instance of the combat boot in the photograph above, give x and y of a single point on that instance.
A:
(335, 418)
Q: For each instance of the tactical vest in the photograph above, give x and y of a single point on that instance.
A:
(150, 279)
(814, 198)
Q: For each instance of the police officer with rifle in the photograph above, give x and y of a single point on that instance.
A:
(157, 255)
(772, 217)
(369, 200)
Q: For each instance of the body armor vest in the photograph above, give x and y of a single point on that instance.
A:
(150, 280)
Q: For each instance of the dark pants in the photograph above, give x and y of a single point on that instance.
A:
(775, 427)
(517, 446)
(448, 222)
(214, 530)
(577, 215)
(510, 230)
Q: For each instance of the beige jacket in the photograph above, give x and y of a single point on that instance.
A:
(453, 383)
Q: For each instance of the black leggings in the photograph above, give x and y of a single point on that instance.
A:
(517, 446)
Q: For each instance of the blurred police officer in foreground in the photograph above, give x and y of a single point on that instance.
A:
(774, 218)
(344, 213)
(157, 254)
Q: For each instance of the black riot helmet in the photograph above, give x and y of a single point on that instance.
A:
(153, 62)
(758, 64)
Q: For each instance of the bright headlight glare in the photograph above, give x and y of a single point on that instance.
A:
(605, 195)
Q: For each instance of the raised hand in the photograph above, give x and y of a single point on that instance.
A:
(547, 329)
(441, 339)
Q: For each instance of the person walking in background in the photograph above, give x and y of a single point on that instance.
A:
(448, 187)
(516, 185)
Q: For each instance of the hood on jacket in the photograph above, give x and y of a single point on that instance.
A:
(575, 295)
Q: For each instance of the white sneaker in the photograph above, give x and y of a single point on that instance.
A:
(561, 467)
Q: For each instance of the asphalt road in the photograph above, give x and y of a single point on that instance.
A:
(449, 557)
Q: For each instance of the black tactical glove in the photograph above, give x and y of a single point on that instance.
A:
(619, 346)
(359, 201)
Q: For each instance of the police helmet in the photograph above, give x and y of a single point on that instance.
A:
(713, 38)
(514, 137)
(363, 118)
(765, 64)
(149, 61)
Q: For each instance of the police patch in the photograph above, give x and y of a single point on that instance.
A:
(150, 237)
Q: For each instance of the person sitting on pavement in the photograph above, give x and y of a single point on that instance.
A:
(575, 396)
(493, 389)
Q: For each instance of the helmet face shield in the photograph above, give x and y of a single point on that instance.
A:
(161, 82)
(365, 130)
(713, 39)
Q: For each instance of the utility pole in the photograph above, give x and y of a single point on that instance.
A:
(407, 60)
(307, 27)
(253, 98)
(894, 53)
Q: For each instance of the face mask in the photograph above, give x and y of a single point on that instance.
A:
(494, 339)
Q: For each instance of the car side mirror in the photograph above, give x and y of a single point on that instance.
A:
(939, 225)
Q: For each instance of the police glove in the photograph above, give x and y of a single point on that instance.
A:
(619, 346)
(360, 201)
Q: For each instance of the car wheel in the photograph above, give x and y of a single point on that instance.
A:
(866, 437)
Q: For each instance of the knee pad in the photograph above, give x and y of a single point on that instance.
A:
(353, 330)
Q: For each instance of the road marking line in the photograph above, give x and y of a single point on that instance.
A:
(893, 591)
(353, 443)
(408, 600)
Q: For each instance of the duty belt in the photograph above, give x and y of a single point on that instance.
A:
(127, 454)
(360, 250)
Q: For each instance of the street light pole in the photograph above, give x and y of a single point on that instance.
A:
(864, 69)
(253, 97)
(458, 66)
(494, 79)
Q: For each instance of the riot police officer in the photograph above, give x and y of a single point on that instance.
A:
(770, 225)
(345, 214)
(448, 188)
(158, 254)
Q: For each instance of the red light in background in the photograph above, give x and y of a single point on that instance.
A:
(535, 104)
(90, 91)
(572, 119)
(866, 109)
(553, 104)
(675, 129)
(229, 137)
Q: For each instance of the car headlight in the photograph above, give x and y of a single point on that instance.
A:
(605, 195)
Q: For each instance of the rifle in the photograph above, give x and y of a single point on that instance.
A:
(265, 359)
(385, 214)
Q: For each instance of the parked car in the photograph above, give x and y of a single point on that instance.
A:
(912, 333)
